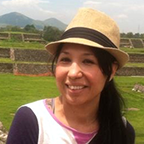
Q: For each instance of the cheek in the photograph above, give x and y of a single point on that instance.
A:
(60, 75)
(97, 78)
(59, 71)
(58, 79)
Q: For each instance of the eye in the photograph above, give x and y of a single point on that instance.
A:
(88, 61)
(64, 60)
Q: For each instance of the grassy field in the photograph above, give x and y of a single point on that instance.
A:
(36, 45)
(133, 50)
(21, 45)
(8, 60)
(18, 90)
(133, 100)
(134, 65)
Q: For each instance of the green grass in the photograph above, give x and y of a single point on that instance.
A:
(36, 45)
(18, 32)
(134, 65)
(6, 60)
(21, 45)
(133, 100)
(18, 90)
(133, 50)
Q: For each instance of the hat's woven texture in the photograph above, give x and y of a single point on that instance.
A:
(93, 28)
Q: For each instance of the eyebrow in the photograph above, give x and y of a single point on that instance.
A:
(85, 54)
(64, 52)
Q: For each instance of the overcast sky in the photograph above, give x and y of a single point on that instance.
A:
(129, 14)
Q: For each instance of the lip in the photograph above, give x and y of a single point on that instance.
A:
(69, 84)
(76, 88)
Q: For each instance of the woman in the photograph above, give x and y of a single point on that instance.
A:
(88, 109)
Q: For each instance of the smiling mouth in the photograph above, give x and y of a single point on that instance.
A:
(75, 87)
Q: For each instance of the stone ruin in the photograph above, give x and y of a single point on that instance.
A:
(3, 134)
(138, 88)
(22, 37)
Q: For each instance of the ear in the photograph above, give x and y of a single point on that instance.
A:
(114, 69)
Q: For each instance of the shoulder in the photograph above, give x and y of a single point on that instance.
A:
(130, 133)
(24, 127)
(129, 130)
(25, 113)
(129, 127)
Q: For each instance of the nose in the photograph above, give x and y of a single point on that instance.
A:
(75, 71)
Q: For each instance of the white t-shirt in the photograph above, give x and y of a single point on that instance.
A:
(52, 131)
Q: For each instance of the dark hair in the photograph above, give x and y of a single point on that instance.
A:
(112, 129)
(55, 58)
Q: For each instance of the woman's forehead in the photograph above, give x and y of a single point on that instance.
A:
(77, 48)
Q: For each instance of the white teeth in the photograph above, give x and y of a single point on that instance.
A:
(76, 87)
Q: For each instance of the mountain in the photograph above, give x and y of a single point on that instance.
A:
(18, 19)
(55, 22)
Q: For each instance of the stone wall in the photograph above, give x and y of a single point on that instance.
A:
(22, 37)
(32, 36)
(131, 43)
(6, 68)
(25, 69)
(43, 56)
(131, 71)
(4, 36)
(138, 88)
(136, 58)
(137, 43)
(31, 69)
(17, 37)
(125, 43)
(38, 62)
(4, 53)
(44, 69)
(3, 134)
(28, 55)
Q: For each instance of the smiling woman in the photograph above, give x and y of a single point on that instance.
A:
(89, 107)
(78, 75)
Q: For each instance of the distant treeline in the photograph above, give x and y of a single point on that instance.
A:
(27, 28)
(132, 35)
(50, 33)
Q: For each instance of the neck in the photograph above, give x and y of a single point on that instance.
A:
(81, 117)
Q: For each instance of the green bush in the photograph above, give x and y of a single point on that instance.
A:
(51, 33)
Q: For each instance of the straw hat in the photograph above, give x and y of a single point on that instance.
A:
(93, 28)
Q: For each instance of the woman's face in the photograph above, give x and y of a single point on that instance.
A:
(78, 75)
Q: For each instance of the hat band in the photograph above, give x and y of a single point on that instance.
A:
(89, 34)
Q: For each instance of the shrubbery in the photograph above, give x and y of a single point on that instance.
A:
(51, 33)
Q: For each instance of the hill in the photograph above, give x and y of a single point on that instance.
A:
(55, 22)
(18, 19)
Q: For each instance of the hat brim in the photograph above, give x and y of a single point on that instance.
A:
(120, 56)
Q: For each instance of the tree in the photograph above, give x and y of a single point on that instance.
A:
(30, 28)
(123, 35)
(142, 35)
(129, 35)
(16, 28)
(137, 35)
(51, 33)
